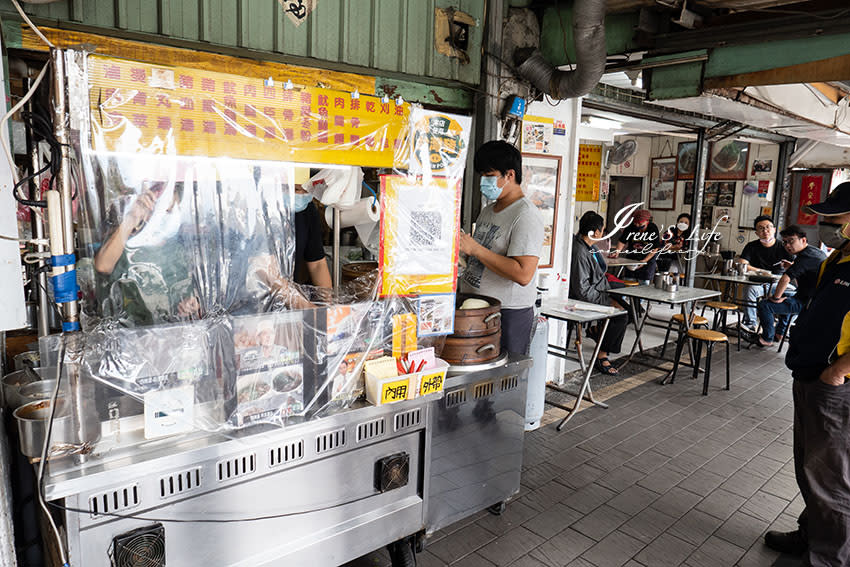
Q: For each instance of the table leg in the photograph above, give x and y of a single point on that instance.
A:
(585, 385)
(638, 323)
(687, 320)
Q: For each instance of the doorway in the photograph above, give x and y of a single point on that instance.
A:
(623, 191)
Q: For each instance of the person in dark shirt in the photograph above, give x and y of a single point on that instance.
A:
(641, 241)
(819, 360)
(763, 257)
(803, 272)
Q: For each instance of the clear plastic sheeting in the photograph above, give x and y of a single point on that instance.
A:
(187, 184)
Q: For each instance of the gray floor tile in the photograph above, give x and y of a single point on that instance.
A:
(702, 482)
(562, 548)
(715, 552)
(473, 560)
(461, 543)
(743, 483)
(601, 522)
(615, 550)
(524, 561)
(662, 480)
(782, 485)
(765, 506)
(620, 479)
(648, 525)
(695, 527)
(554, 520)
(721, 503)
(510, 546)
(633, 500)
(590, 497)
(547, 495)
(742, 530)
(666, 551)
(677, 502)
(516, 513)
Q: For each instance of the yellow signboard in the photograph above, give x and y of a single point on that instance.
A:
(589, 163)
(432, 382)
(144, 108)
(395, 391)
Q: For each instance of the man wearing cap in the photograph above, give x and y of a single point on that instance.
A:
(819, 359)
(641, 240)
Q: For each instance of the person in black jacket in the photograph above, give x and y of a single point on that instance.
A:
(819, 359)
(589, 283)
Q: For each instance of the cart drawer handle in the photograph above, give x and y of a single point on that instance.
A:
(492, 316)
(491, 346)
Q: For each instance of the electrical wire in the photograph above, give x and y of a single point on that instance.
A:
(4, 131)
(41, 501)
(32, 26)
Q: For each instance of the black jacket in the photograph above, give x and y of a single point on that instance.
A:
(587, 276)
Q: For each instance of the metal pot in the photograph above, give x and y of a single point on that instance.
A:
(40, 390)
(32, 421)
(360, 278)
(29, 358)
(14, 381)
(471, 350)
(477, 322)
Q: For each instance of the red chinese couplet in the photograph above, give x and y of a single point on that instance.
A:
(810, 190)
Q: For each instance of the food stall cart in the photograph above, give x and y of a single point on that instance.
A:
(206, 409)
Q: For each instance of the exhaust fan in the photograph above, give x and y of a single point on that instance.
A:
(142, 547)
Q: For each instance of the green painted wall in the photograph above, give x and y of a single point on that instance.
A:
(390, 36)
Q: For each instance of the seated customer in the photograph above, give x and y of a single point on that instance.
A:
(763, 256)
(588, 282)
(803, 271)
(641, 240)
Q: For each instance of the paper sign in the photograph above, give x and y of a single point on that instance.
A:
(298, 10)
(589, 163)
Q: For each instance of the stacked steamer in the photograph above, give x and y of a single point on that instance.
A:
(478, 331)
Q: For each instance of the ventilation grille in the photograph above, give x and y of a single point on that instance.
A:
(236, 467)
(370, 429)
(409, 418)
(179, 482)
(114, 500)
(509, 383)
(455, 398)
(286, 453)
(330, 441)
(482, 390)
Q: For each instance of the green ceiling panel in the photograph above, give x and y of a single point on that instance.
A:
(739, 59)
(394, 36)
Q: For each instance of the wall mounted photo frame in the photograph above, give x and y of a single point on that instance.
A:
(686, 160)
(662, 184)
(541, 182)
(728, 160)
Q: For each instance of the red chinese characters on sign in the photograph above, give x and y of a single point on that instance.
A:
(810, 190)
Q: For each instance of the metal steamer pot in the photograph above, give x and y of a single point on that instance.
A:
(477, 333)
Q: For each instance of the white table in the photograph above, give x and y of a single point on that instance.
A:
(731, 292)
(621, 263)
(682, 297)
(578, 312)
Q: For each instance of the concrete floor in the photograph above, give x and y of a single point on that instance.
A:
(664, 477)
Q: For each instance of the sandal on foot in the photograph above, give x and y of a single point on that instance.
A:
(606, 369)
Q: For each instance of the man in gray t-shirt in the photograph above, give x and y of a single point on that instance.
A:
(505, 249)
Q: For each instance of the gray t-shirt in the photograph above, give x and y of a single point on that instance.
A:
(516, 230)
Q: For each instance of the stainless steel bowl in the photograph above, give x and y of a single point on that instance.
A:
(41, 390)
(29, 358)
(32, 421)
(13, 382)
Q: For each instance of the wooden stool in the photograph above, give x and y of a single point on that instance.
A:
(708, 337)
(630, 283)
(680, 319)
(721, 311)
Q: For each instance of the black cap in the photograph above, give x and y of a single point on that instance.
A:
(837, 203)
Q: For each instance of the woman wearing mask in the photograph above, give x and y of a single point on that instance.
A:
(676, 244)
(503, 254)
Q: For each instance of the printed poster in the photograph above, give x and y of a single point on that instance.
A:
(810, 193)
(589, 172)
(537, 134)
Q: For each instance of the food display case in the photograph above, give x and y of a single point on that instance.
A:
(215, 412)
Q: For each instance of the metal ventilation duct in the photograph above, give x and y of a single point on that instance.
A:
(589, 37)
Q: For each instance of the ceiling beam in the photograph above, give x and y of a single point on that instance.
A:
(832, 69)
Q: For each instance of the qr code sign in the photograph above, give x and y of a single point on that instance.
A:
(425, 228)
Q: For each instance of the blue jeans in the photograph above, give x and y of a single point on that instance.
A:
(768, 309)
(752, 293)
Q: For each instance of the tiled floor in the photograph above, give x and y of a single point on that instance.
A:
(664, 477)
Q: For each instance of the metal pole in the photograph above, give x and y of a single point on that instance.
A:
(336, 248)
(696, 206)
(37, 224)
(60, 126)
(782, 191)
(8, 557)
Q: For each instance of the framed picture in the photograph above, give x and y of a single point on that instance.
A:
(541, 179)
(688, 188)
(728, 160)
(662, 184)
(722, 193)
(686, 160)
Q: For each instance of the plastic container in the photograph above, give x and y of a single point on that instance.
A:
(536, 397)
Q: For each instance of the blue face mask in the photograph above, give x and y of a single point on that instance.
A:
(302, 200)
(490, 187)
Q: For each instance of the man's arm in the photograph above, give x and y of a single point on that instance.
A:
(835, 372)
(519, 269)
(783, 282)
(319, 273)
(110, 252)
